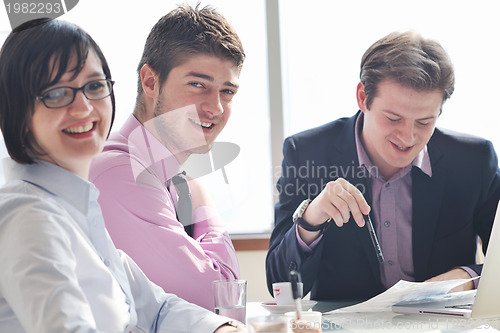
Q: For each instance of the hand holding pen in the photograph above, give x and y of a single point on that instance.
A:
(339, 200)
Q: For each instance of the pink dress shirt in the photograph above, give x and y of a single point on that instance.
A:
(132, 174)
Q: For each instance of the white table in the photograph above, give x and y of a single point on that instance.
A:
(388, 321)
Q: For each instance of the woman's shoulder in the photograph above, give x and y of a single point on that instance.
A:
(21, 201)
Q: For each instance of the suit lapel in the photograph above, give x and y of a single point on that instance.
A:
(363, 234)
(427, 196)
(359, 178)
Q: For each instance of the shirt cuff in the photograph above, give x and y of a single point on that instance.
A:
(303, 245)
(207, 220)
(472, 274)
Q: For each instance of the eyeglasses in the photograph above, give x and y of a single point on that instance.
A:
(64, 96)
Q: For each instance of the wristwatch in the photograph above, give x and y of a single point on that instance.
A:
(298, 220)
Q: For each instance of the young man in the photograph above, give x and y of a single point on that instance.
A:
(188, 76)
(429, 192)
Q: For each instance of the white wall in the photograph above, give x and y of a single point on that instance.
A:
(253, 269)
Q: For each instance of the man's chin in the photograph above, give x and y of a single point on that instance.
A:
(202, 149)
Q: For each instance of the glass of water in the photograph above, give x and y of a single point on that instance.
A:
(230, 298)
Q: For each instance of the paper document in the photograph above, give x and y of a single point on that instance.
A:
(403, 291)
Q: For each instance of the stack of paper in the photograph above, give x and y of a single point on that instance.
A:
(403, 291)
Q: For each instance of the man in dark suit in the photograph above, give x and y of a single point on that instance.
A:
(430, 193)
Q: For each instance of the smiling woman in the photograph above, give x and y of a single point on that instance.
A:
(70, 127)
(34, 119)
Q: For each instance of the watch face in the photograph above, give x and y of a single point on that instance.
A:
(299, 212)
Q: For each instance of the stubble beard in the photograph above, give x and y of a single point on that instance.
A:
(168, 134)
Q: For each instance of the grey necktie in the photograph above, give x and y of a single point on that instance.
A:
(184, 205)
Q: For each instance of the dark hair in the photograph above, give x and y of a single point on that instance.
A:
(187, 31)
(411, 60)
(34, 57)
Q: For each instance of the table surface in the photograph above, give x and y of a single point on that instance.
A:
(387, 321)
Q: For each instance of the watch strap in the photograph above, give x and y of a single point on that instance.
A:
(309, 227)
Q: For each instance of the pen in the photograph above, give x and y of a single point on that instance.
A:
(294, 279)
(373, 236)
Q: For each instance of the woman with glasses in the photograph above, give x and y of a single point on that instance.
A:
(60, 272)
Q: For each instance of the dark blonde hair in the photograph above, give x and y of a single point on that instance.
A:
(411, 60)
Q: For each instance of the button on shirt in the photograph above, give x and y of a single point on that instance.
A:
(62, 273)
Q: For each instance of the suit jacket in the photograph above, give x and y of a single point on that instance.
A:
(449, 210)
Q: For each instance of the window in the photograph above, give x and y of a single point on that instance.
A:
(4, 31)
(323, 43)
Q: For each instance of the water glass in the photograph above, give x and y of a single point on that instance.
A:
(230, 298)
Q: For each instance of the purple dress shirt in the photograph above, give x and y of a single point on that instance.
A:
(132, 174)
(391, 214)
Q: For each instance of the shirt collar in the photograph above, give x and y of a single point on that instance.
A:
(421, 161)
(58, 181)
(152, 154)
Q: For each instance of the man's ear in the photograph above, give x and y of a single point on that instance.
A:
(149, 81)
(361, 97)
